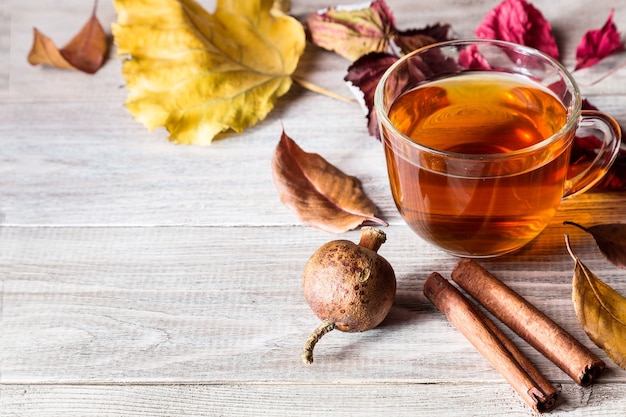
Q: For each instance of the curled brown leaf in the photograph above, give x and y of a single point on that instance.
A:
(319, 193)
(45, 52)
(86, 51)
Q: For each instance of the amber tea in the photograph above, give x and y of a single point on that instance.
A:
(479, 208)
(477, 134)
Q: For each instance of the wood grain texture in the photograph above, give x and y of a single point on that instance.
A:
(288, 400)
(142, 278)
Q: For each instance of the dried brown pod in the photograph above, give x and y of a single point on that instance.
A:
(349, 286)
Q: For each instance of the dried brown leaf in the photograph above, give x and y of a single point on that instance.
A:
(601, 311)
(45, 52)
(320, 194)
(86, 51)
(611, 239)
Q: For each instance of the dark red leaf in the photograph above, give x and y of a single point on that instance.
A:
(597, 44)
(367, 35)
(584, 151)
(410, 40)
(364, 74)
(87, 50)
(520, 22)
(615, 179)
(586, 105)
(611, 239)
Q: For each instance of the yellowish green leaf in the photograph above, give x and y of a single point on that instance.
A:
(601, 311)
(198, 73)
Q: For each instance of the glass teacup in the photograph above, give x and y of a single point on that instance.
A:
(477, 136)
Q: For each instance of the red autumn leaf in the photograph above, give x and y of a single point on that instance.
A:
(584, 151)
(367, 36)
(364, 75)
(520, 22)
(320, 194)
(615, 179)
(85, 52)
(366, 72)
(412, 39)
(586, 105)
(597, 44)
(472, 59)
(355, 31)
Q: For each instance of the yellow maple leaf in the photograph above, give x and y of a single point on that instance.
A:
(198, 74)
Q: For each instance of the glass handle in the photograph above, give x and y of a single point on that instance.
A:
(608, 132)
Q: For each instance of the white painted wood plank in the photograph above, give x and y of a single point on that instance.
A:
(121, 175)
(187, 304)
(143, 278)
(323, 400)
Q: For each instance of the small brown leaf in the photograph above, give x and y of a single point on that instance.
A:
(601, 311)
(321, 195)
(45, 52)
(85, 52)
(611, 239)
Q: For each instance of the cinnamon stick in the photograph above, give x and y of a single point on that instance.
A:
(532, 325)
(492, 343)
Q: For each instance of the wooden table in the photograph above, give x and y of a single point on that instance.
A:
(142, 278)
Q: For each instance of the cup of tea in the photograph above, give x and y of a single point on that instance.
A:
(477, 137)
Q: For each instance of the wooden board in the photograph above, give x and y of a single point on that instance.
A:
(143, 278)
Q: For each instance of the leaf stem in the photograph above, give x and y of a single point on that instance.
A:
(577, 225)
(323, 91)
(569, 248)
(606, 75)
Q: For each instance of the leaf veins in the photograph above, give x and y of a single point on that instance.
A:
(198, 73)
(601, 311)
(319, 193)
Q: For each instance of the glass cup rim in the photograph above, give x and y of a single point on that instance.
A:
(571, 122)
